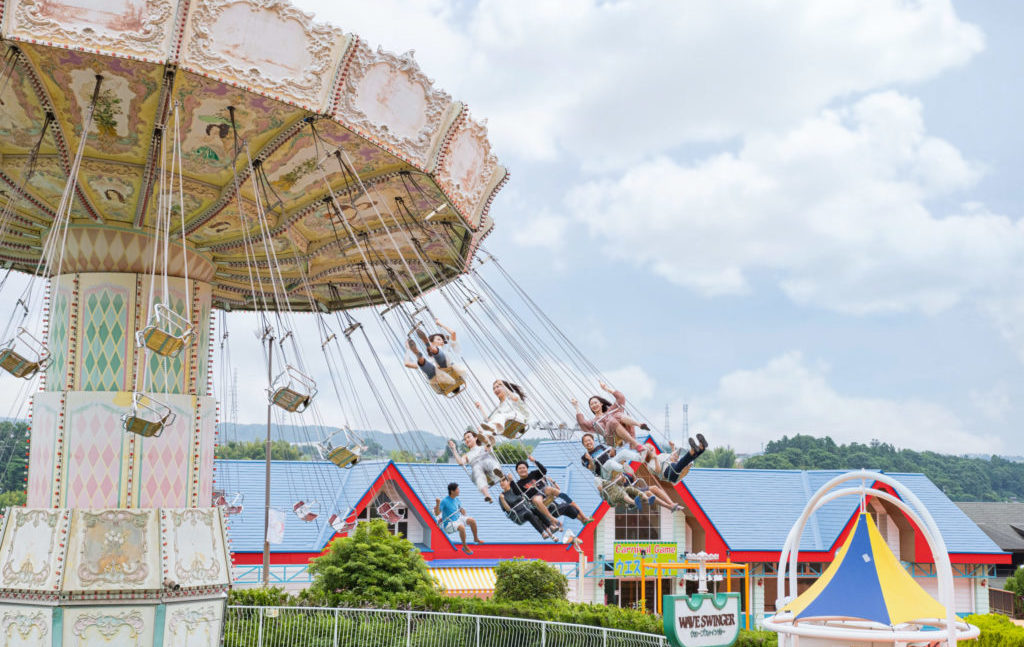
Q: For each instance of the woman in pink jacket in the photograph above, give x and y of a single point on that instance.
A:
(610, 420)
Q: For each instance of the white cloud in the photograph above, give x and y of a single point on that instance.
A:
(788, 396)
(545, 230)
(611, 82)
(993, 403)
(835, 210)
(633, 381)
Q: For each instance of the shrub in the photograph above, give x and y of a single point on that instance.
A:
(372, 563)
(528, 580)
(1015, 585)
(997, 631)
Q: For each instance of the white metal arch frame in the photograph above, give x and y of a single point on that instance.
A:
(858, 630)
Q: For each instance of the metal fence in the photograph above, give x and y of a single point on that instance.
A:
(322, 627)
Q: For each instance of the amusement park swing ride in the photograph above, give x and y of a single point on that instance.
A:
(156, 166)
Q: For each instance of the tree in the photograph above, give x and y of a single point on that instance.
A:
(724, 457)
(374, 449)
(1015, 585)
(510, 453)
(519, 579)
(371, 562)
(13, 460)
(280, 450)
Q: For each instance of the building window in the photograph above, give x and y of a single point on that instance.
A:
(645, 524)
(370, 512)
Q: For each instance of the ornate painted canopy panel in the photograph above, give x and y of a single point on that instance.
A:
(270, 112)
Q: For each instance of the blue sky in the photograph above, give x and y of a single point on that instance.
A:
(796, 217)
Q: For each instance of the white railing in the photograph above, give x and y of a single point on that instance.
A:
(323, 627)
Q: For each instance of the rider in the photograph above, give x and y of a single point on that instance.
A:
(452, 517)
(510, 407)
(519, 510)
(485, 467)
(671, 466)
(600, 459)
(441, 374)
(543, 493)
(610, 419)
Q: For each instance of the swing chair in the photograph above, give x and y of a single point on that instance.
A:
(33, 357)
(148, 417)
(514, 425)
(305, 511)
(292, 390)
(343, 525)
(166, 332)
(392, 511)
(231, 502)
(344, 455)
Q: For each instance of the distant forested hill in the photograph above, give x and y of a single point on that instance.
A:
(962, 478)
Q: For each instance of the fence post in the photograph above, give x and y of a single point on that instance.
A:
(408, 628)
(259, 632)
(543, 634)
(604, 636)
(334, 640)
(478, 631)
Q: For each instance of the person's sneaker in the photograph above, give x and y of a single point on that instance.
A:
(499, 473)
(639, 501)
(412, 346)
(703, 441)
(651, 499)
(694, 448)
(645, 426)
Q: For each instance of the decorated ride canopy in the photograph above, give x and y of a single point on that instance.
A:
(866, 581)
(266, 98)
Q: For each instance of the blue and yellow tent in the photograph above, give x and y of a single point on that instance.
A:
(866, 581)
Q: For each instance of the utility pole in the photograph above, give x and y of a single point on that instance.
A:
(668, 428)
(686, 424)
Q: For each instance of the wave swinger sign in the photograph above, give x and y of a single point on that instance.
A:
(702, 620)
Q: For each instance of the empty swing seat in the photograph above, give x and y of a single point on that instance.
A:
(147, 420)
(343, 456)
(166, 332)
(161, 342)
(231, 503)
(292, 390)
(27, 363)
(391, 511)
(304, 511)
(290, 400)
(342, 525)
(17, 365)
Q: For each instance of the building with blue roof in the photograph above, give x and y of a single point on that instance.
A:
(742, 515)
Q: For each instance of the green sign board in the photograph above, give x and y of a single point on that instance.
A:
(629, 553)
(702, 620)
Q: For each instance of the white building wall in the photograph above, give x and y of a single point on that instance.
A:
(964, 597)
(981, 596)
(757, 600)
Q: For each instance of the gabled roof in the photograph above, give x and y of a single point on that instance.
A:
(753, 510)
(1002, 522)
(337, 490)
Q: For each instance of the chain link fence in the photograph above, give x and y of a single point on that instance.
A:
(321, 627)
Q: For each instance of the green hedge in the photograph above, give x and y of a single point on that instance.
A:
(997, 631)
